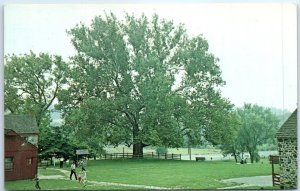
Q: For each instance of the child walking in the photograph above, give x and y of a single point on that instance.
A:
(82, 177)
(37, 182)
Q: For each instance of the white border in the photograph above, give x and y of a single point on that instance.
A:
(3, 2)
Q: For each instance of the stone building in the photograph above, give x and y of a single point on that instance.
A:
(287, 149)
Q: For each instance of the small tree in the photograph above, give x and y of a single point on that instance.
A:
(257, 124)
(161, 150)
(230, 143)
(53, 140)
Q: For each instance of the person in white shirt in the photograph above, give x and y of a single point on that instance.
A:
(73, 171)
(61, 162)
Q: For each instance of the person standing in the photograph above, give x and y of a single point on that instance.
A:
(54, 160)
(67, 162)
(61, 162)
(73, 171)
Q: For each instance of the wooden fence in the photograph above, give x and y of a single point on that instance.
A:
(145, 155)
(43, 163)
(276, 179)
(275, 176)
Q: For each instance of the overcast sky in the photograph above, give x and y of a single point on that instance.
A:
(256, 43)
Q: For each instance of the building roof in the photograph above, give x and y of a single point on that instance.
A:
(9, 132)
(82, 152)
(21, 124)
(289, 127)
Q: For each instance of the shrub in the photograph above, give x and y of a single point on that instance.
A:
(161, 150)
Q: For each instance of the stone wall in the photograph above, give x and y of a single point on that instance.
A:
(288, 162)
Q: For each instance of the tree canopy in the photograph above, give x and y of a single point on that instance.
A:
(32, 82)
(253, 126)
(258, 125)
(142, 82)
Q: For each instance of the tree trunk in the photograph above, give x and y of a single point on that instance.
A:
(137, 144)
(138, 150)
(235, 157)
(251, 156)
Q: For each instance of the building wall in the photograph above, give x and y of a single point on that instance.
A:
(22, 153)
(288, 162)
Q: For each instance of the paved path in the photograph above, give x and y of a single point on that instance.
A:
(249, 181)
(52, 177)
(65, 176)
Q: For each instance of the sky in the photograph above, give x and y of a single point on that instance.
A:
(256, 43)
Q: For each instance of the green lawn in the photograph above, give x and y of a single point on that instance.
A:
(159, 173)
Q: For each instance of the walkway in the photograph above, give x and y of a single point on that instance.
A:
(249, 181)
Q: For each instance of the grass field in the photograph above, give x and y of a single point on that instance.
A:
(158, 173)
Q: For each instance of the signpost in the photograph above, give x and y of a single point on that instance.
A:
(82, 152)
(275, 177)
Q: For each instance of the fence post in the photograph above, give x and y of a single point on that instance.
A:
(165, 155)
(180, 156)
(152, 154)
(172, 156)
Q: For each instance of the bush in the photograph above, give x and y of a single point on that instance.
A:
(256, 156)
(161, 150)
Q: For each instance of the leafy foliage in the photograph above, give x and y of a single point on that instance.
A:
(230, 142)
(258, 124)
(142, 82)
(53, 140)
(32, 82)
(161, 150)
(255, 126)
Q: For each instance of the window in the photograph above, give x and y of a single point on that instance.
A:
(29, 161)
(9, 163)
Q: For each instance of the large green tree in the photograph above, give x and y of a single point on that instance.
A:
(258, 124)
(141, 82)
(31, 83)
